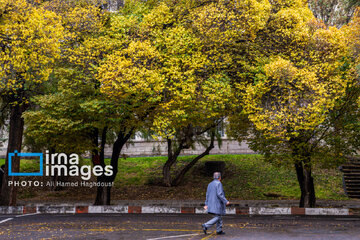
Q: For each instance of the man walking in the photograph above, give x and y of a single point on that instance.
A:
(215, 204)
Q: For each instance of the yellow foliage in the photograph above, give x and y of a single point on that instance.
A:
(289, 98)
(352, 31)
(301, 72)
(223, 21)
(168, 68)
(281, 4)
(136, 80)
(155, 21)
(31, 42)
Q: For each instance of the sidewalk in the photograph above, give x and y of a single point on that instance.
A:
(239, 207)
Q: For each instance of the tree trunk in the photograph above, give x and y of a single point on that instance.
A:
(103, 192)
(8, 193)
(172, 157)
(300, 178)
(168, 164)
(179, 178)
(306, 183)
(167, 173)
(102, 195)
(309, 198)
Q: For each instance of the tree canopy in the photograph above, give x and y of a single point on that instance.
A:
(285, 81)
(302, 75)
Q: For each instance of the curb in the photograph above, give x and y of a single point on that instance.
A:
(177, 210)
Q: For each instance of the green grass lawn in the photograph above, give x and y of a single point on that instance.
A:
(245, 177)
(26, 165)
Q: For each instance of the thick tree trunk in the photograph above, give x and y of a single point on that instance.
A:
(103, 195)
(103, 192)
(300, 178)
(179, 178)
(167, 172)
(8, 193)
(306, 183)
(309, 198)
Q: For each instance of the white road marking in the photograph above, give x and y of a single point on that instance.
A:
(23, 215)
(186, 235)
(5, 220)
(29, 214)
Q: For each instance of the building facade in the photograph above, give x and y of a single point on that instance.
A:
(139, 146)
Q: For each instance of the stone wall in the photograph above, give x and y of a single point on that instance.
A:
(157, 148)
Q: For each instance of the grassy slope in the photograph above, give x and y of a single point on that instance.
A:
(246, 177)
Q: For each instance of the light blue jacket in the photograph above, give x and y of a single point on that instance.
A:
(215, 198)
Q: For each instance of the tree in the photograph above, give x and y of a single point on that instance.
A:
(219, 31)
(298, 79)
(225, 30)
(76, 114)
(344, 120)
(180, 63)
(29, 44)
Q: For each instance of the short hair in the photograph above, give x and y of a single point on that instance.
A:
(217, 175)
(2, 166)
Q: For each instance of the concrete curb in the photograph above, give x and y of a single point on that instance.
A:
(177, 210)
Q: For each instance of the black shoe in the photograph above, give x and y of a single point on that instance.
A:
(220, 233)
(204, 228)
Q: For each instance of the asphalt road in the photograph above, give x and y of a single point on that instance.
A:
(174, 226)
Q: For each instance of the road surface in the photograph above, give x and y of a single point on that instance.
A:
(174, 226)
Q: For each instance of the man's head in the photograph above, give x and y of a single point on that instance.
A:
(3, 166)
(217, 175)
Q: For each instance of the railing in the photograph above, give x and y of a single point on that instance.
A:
(351, 177)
